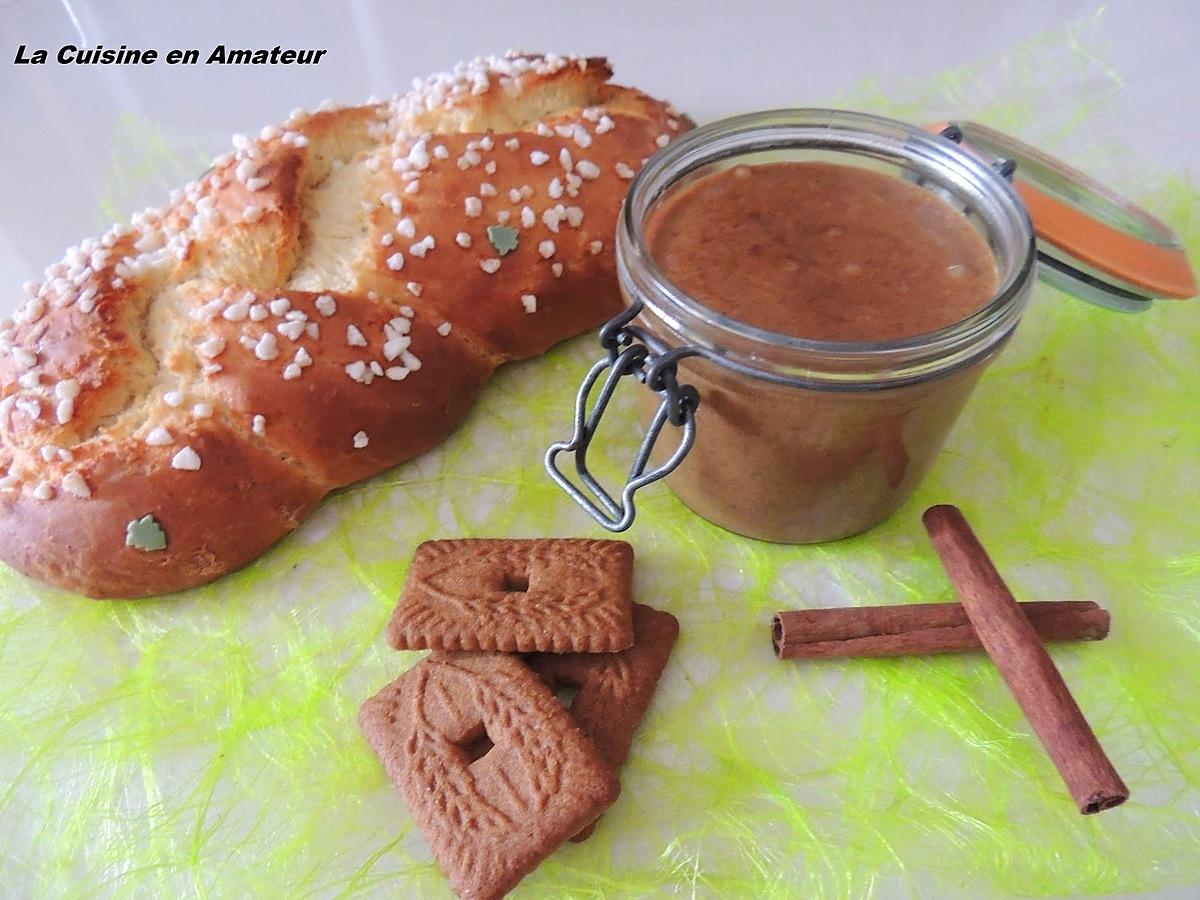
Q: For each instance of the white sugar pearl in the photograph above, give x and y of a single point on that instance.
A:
(159, 437)
(186, 459)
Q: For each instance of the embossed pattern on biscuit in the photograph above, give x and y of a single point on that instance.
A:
(494, 770)
(613, 690)
(553, 595)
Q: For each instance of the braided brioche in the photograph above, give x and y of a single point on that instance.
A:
(324, 303)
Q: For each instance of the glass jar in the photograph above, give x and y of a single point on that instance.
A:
(783, 438)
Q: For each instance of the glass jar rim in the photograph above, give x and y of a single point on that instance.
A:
(853, 133)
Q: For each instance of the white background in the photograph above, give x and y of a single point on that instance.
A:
(711, 59)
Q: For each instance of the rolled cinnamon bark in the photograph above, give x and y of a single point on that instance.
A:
(919, 628)
(1013, 645)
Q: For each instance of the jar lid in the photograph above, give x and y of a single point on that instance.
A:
(1091, 242)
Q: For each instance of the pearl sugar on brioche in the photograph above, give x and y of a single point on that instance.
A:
(323, 304)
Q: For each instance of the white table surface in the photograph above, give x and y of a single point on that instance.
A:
(711, 59)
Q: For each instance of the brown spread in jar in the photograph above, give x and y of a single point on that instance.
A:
(822, 251)
(826, 252)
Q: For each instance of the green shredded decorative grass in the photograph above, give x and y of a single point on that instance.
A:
(205, 745)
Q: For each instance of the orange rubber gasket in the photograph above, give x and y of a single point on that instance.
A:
(1160, 271)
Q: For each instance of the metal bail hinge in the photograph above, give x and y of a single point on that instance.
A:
(1004, 166)
(627, 355)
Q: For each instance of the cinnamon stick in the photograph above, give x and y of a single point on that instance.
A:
(919, 628)
(1013, 645)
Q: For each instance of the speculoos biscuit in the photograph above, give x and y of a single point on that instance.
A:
(494, 770)
(568, 595)
(614, 690)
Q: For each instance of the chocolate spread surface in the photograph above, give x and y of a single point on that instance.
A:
(823, 251)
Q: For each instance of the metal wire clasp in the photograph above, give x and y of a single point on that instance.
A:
(1004, 166)
(631, 351)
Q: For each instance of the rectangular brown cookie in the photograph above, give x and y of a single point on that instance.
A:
(495, 772)
(567, 595)
(614, 689)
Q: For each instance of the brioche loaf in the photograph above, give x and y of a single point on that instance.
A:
(322, 304)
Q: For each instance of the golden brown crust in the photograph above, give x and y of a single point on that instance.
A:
(579, 296)
(198, 328)
(393, 419)
(242, 501)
